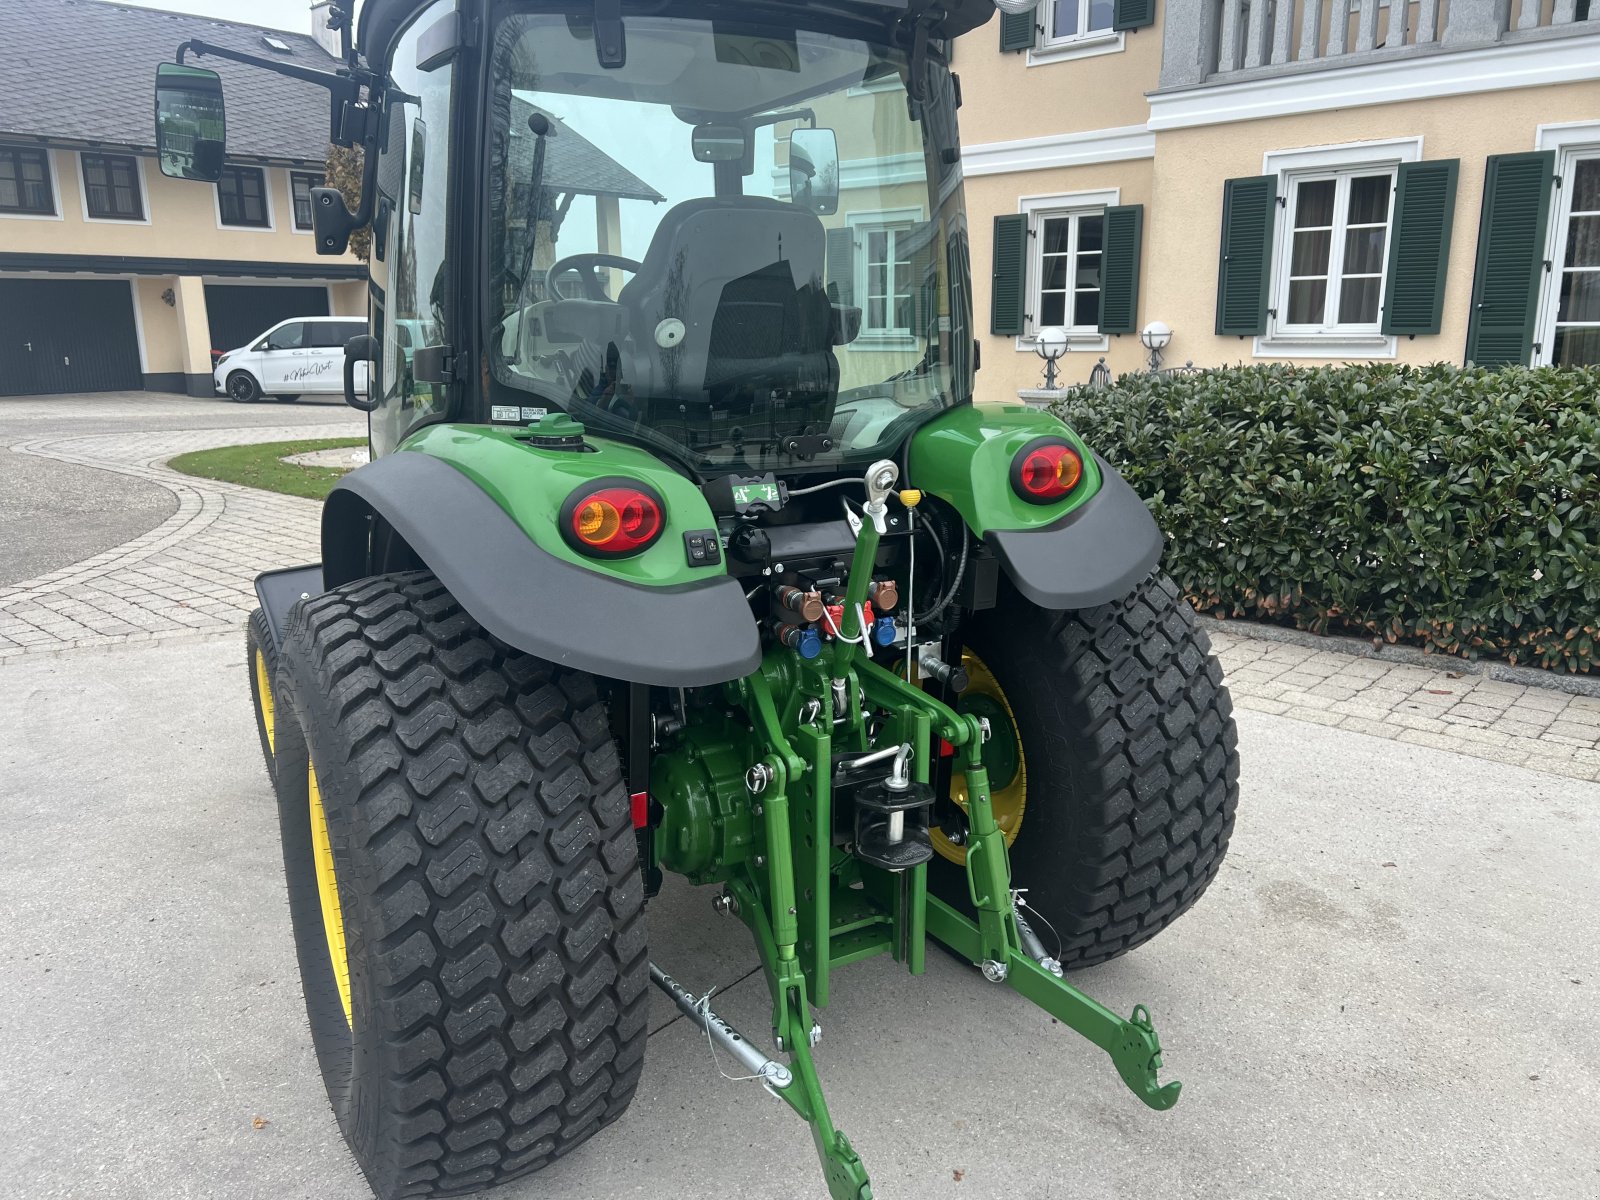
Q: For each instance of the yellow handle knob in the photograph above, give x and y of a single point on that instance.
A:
(911, 497)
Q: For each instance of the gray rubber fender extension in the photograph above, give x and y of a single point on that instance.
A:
(688, 635)
(1098, 552)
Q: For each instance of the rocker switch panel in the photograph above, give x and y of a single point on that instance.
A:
(702, 548)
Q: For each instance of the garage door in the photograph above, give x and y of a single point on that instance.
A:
(67, 335)
(241, 312)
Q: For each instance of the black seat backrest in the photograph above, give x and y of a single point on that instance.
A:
(744, 276)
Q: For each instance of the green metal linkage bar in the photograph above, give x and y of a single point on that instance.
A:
(813, 841)
(847, 653)
(1134, 1048)
(886, 689)
(791, 1029)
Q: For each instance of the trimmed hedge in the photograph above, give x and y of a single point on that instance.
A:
(1457, 508)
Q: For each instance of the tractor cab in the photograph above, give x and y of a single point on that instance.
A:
(731, 233)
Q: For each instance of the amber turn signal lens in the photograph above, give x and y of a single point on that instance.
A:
(1045, 470)
(612, 520)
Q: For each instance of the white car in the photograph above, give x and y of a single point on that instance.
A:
(299, 357)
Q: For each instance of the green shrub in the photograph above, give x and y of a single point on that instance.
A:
(1455, 508)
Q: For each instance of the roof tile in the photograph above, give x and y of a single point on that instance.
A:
(85, 70)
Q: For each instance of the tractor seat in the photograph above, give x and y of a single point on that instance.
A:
(729, 306)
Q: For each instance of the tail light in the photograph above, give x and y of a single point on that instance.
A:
(1045, 470)
(613, 518)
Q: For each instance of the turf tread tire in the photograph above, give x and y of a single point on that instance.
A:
(1132, 760)
(488, 874)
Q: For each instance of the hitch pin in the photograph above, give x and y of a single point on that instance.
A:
(772, 1074)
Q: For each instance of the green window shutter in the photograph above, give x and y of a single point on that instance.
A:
(1119, 269)
(841, 265)
(1016, 31)
(1249, 207)
(1132, 14)
(1511, 232)
(1419, 246)
(1007, 300)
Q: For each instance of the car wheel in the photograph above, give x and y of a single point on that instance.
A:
(243, 388)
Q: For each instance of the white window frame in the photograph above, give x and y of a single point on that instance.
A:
(1048, 48)
(1283, 340)
(1038, 209)
(1571, 141)
(294, 217)
(144, 190)
(895, 220)
(268, 174)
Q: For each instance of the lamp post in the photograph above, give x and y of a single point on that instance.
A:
(1156, 336)
(1050, 343)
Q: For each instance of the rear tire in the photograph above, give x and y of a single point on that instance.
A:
(487, 890)
(261, 660)
(243, 388)
(1132, 770)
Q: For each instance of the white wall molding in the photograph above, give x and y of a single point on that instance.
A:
(1412, 77)
(1118, 144)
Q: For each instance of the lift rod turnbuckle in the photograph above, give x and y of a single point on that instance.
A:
(725, 1036)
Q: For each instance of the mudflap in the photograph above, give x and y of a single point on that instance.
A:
(279, 591)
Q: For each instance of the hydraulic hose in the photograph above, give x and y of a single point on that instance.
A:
(955, 583)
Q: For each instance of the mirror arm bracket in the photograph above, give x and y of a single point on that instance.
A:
(610, 38)
(343, 81)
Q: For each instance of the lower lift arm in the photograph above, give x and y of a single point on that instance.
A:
(993, 941)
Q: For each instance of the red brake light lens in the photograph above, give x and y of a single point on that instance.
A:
(1045, 470)
(613, 518)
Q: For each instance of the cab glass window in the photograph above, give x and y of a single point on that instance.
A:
(414, 179)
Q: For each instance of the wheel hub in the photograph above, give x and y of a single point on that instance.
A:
(1003, 758)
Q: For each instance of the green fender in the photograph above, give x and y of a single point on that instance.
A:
(1090, 547)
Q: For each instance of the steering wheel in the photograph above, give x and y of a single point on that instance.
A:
(591, 285)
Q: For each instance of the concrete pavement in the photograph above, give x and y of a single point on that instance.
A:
(1388, 992)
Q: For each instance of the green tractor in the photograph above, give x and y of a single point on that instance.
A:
(686, 547)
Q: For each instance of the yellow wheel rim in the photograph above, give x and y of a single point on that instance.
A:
(269, 712)
(1010, 797)
(328, 890)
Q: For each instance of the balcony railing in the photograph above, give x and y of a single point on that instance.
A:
(1216, 40)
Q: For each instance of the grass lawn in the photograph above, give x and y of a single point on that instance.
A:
(258, 466)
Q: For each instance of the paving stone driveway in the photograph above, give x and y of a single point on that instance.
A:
(192, 574)
(193, 571)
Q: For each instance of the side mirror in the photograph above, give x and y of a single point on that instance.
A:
(361, 348)
(191, 123)
(814, 170)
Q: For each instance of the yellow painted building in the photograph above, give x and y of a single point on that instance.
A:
(1418, 183)
(113, 276)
